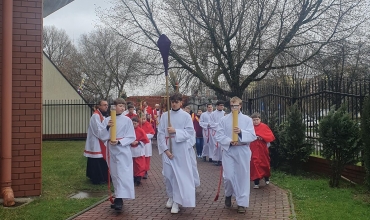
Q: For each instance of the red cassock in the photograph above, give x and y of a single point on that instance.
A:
(147, 127)
(148, 110)
(139, 162)
(260, 161)
(131, 115)
(155, 118)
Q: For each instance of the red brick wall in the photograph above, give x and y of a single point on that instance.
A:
(319, 165)
(27, 97)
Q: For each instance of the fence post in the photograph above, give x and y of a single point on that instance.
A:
(249, 106)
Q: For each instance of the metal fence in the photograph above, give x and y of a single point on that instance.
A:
(65, 119)
(314, 98)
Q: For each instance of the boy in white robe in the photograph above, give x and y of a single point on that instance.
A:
(216, 116)
(179, 166)
(120, 157)
(236, 155)
(204, 122)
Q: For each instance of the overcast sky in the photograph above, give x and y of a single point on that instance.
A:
(78, 17)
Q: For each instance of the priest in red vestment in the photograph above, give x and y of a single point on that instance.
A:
(138, 151)
(260, 161)
(147, 127)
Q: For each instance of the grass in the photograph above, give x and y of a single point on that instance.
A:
(314, 199)
(63, 173)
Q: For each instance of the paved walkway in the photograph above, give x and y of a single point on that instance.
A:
(268, 202)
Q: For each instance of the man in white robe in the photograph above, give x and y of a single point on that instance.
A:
(236, 155)
(96, 169)
(119, 154)
(179, 166)
(215, 119)
(204, 122)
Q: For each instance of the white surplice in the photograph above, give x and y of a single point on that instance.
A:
(92, 146)
(120, 157)
(204, 122)
(181, 174)
(236, 159)
(216, 153)
(148, 146)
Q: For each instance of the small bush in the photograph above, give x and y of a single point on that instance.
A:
(275, 154)
(293, 144)
(339, 135)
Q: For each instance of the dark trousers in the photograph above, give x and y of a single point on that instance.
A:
(257, 181)
(199, 145)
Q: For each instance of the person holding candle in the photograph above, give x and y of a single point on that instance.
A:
(119, 134)
(236, 154)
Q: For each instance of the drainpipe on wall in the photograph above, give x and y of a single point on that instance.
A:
(6, 103)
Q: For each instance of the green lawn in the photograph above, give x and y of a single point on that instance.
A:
(63, 173)
(314, 199)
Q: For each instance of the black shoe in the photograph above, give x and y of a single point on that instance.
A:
(138, 181)
(219, 163)
(210, 160)
(118, 204)
(241, 209)
(228, 201)
(145, 176)
(204, 158)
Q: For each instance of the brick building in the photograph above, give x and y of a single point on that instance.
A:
(21, 95)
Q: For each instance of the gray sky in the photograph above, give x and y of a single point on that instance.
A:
(78, 17)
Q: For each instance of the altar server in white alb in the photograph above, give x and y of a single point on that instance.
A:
(216, 116)
(205, 123)
(236, 155)
(180, 172)
(120, 157)
(95, 149)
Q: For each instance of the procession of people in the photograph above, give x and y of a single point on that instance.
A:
(182, 137)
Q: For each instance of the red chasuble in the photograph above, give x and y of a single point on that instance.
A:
(260, 161)
(139, 162)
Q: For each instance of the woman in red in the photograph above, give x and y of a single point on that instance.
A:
(260, 161)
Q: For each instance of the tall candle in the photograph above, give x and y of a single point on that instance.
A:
(235, 124)
(113, 118)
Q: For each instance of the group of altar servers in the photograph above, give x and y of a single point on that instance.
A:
(175, 144)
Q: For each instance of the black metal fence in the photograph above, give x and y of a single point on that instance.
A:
(314, 98)
(65, 119)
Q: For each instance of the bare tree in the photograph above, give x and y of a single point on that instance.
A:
(58, 47)
(107, 62)
(236, 41)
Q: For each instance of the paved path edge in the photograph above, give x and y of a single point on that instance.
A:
(291, 204)
(88, 208)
